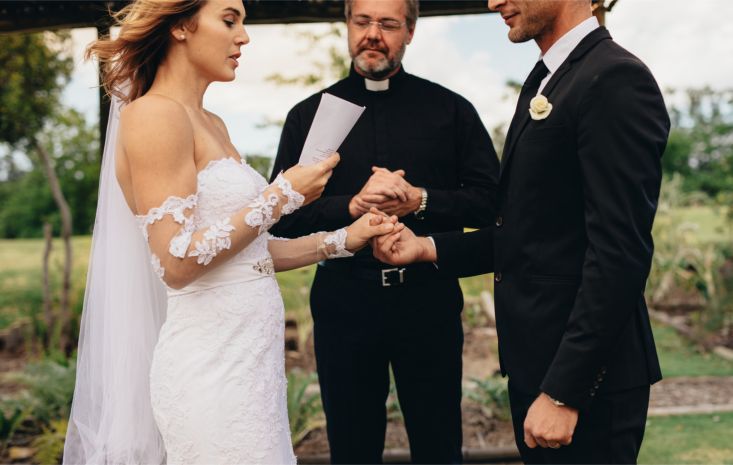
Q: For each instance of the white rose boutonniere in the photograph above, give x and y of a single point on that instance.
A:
(539, 107)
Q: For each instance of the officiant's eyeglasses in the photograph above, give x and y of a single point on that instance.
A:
(387, 25)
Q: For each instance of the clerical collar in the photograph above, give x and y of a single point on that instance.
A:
(376, 86)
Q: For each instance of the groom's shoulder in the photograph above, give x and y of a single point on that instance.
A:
(610, 58)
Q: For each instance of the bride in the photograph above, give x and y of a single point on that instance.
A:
(181, 342)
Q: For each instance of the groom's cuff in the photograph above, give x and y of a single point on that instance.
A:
(435, 263)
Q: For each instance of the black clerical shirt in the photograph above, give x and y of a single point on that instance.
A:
(435, 135)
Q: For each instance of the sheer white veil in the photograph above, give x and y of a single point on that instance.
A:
(111, 418)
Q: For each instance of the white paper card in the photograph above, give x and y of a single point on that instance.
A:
(333, 121)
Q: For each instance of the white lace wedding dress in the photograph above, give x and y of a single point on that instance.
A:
(217, 381)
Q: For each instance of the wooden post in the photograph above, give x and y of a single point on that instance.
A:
(104, 103)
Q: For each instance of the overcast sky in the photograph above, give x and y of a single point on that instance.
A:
(685, 44)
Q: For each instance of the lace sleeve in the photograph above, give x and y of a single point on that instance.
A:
(275, 200)
(289, 254)
(176, 207)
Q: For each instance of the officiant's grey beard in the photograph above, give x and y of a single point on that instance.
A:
(380, 68)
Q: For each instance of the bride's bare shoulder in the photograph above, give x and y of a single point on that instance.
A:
(156, 124)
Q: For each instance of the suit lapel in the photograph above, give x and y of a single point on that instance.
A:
(522, 117)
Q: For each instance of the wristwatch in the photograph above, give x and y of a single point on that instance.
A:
(557, 403)
(420, 212)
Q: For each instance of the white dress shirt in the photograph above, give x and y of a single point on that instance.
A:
(561, 49)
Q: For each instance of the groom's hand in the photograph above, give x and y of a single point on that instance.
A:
(549, 425)
(403, 247)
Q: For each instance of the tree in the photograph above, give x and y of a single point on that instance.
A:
(700, 146)
(26, 202)
(335, 67)
(34, 69)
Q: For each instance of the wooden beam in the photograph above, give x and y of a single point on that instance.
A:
(104, 101)
(39, 15)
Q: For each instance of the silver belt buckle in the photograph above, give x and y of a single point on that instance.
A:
(401, 272)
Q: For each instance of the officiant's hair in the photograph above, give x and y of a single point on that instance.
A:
(413, 11)
(132, 58)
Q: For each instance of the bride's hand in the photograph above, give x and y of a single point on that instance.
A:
(309, 181)
(367, 226)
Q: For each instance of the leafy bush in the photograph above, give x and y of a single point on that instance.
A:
(492, 394)
(304, 408)
(49, 446)
(12, 413)
(50, 389)
(689, 256)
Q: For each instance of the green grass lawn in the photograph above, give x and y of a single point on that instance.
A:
(710, 221)
(688, 439)
(21, 276)
(679, 357)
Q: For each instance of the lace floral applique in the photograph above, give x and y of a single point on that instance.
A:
(174, 206)
(334, 244)
(157, 268)
(261, 215)
(180, 242)
(216, 239)
(295, 199)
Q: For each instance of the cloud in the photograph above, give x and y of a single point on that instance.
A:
(473, 73)
(685, 44)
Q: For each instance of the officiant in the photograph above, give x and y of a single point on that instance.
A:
(421, 152)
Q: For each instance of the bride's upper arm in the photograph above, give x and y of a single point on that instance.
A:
(157, 138)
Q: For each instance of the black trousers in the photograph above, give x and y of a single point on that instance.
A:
(611, 431)
(360, 328)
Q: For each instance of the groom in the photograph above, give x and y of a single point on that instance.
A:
(571, 246)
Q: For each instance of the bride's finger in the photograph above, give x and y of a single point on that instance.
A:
(375, 220)
(377, 211)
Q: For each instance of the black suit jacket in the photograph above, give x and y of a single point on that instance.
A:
(572, 244)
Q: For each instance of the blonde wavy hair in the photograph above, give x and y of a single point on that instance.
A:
(132, 59)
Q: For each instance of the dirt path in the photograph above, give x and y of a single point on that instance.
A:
(685, 395)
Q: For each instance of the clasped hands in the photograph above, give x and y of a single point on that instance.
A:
(387, 191)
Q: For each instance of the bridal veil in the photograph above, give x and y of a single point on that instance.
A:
(111, 418)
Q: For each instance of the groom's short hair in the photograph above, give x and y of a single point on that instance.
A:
(413, 11)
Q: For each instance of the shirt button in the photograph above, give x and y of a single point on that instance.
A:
(499, 221)
(497, 277)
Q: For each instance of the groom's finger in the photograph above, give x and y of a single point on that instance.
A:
(529, 439)
(387, 241)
